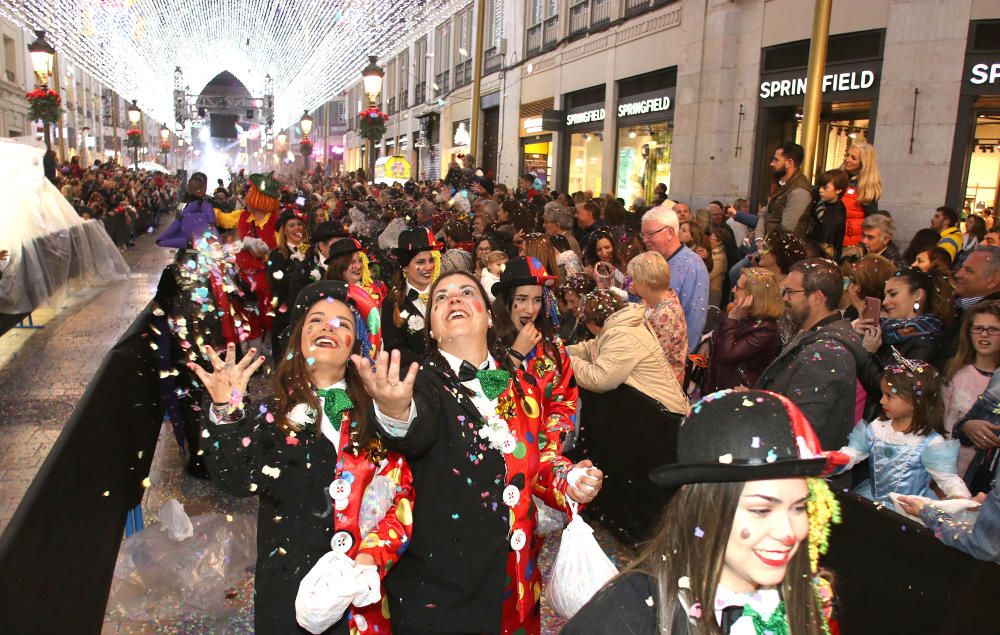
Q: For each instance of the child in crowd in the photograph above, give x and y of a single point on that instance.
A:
(969, 371)
(831, 215)
(495, 262)
(907, 448)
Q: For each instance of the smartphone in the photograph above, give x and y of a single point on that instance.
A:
(873, 307)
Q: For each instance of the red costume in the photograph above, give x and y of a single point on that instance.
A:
(253, 270)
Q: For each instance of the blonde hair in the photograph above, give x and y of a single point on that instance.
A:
(763, 286)
(494, 257)
(651, 269)
(869, 179)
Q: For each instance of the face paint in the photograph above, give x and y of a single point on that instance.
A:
(744, 533)
(477, 305)
(334, 322)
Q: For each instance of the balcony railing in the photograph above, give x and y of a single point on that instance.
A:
(420, 93)
(551, 33)
(463, 73)
(635, 7)
(533, 43)
(492, 60)
(600, 13)
(442, 80)
(579, 18)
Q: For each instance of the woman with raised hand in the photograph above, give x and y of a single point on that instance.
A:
(311, 455)
(472, 428)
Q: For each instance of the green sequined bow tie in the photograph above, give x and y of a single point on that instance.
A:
(494, 382)
(335, 401)
(777, 624)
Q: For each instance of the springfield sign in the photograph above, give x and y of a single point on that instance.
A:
(587, 116)
(837, 82)
(641, 107)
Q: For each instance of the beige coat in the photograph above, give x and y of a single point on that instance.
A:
(627, 352)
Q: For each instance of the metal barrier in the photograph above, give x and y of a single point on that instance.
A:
(57, 555)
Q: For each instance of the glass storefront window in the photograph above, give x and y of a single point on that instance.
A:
(585, 149)
(643, 160)
(984, 164)
(537, 159)
(835, 136)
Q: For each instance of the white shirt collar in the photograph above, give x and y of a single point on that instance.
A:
(456, 362)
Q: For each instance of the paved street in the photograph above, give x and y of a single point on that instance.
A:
(43, 372)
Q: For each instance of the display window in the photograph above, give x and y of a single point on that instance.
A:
(643, 160)
(585, 151)
(536, 158)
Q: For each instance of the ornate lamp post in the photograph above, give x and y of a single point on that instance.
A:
(164, 142)
(306, 124)
(43, 101)
(372, 77)
(134, 135)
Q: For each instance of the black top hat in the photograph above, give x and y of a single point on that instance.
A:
(327, 230)
(414, 240)
(523, 271)
(313, 293)
(344, 246)
(754, 435)
(288, 214)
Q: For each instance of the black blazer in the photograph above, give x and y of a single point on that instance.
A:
(410, 344)
(286, 549)
(621, 607)
(452, 577)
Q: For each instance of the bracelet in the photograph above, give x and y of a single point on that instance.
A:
(516, 355)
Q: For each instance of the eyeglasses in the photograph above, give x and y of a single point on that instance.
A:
(645, 235)
(992, 331)
(787, 293)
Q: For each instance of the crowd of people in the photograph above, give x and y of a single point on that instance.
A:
(425, 346)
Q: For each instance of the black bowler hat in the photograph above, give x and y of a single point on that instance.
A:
(327, 230)
(523, 271)
(288, 214)
(754, 435)
(343, 247)
(412, 241)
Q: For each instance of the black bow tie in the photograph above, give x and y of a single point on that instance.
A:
(466, 372)
(412, 295)
(729, 615)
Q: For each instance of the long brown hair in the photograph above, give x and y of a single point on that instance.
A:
(539, 246)
(966, 352)
(676, 552)
(336, 267)
(291, 386)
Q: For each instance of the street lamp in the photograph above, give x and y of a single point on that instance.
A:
(164, 133)
(306, 125)
(372, 78)
(134, 116)
(42, 57)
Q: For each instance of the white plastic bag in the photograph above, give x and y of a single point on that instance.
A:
(326, 592)
(580, 570)
(175, 521)
(375, 502)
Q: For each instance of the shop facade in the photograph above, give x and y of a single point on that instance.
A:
(974, 179)
(645, 128)
(583, 145)
(849, 103)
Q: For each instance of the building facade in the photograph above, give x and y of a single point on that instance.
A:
(618, 95)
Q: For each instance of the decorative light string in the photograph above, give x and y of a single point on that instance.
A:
(313, 49)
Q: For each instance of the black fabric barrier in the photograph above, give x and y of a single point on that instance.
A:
(57, 555)
(626, 433)
(893, 576)
(9, 321)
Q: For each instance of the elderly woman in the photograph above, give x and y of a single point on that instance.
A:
(746, 339)
(877, 233)
(624, 352)
(650, 275)
(558, 220)
(471, 426)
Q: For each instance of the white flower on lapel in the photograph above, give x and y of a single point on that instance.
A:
(415, 323)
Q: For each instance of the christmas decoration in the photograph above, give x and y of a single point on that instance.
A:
(43, 104)
(371, 123)
(133, 138)
(306, 147)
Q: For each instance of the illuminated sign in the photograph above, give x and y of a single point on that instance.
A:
(587, 116)
(837, 82)
(643, 106)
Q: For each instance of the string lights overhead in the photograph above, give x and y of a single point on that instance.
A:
(312, 49)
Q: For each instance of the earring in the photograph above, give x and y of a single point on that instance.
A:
(916, 306)
(431, 334)
(490, 323)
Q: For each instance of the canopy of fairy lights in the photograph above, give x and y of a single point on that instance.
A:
(312, 49)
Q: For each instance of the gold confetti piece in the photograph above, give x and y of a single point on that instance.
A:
(253, 487)
(146, 482)
(726, 458)
(229, 518)
(106, 493)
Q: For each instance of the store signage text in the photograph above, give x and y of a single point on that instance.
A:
(838, 82)
(985, 74)
(586, 116)
(655, 104)
(532, 125)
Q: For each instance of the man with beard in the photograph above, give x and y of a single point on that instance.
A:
(818, 367)
(791, 202)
